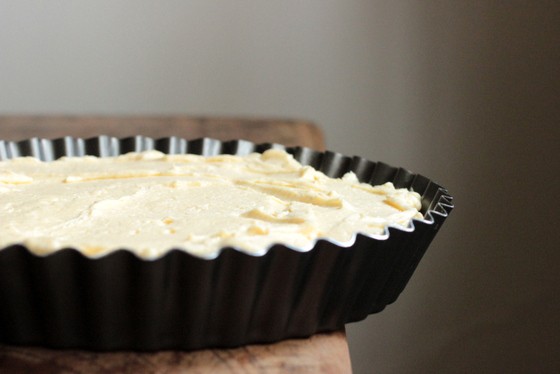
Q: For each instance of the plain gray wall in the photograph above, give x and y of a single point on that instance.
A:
(464, 92)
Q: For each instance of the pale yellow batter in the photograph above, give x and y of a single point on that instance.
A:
(151, 202)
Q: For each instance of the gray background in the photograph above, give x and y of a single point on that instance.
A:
(465, 92)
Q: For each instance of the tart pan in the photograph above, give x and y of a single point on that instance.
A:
(179, 301)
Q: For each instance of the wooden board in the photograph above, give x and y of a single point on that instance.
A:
(282, 131)
(322, 353)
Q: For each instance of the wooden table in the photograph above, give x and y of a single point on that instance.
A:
(259, 130)
(322, 353)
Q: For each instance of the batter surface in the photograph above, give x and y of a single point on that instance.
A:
(151, 202)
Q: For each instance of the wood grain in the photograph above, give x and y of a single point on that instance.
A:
(283, 131)
(322, 353)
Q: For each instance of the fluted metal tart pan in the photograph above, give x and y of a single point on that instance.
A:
(180, 301)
